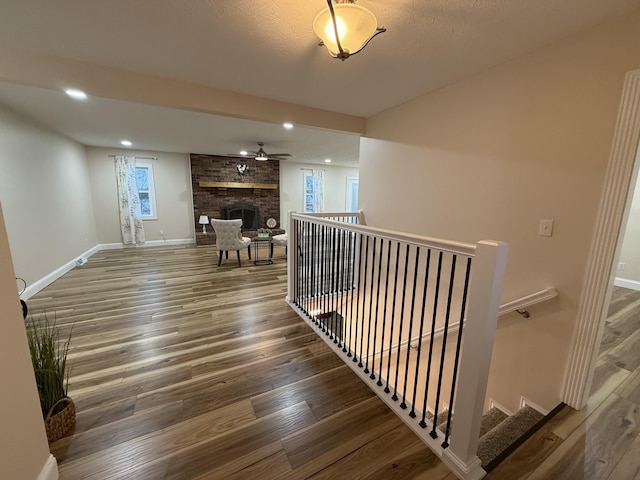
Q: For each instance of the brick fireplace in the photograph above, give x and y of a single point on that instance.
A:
(219, 188)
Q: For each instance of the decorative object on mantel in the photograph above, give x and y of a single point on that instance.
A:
(49, 360)
(271, 222)
(345, 28)
(242, 169)
(264, 232)
(204, 220)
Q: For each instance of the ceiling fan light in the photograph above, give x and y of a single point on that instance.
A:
(355, 24)
(261, 155)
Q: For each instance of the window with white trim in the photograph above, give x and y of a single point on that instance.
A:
(146, 190)
(352, 194)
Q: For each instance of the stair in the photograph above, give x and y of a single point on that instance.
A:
(500, 433)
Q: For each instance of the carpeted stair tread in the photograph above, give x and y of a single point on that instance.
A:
(441, 420)
(495, 441)
(492, 419)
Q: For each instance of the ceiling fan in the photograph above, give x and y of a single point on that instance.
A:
(261, 155)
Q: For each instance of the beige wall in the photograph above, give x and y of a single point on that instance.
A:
(630, 242)
(174, 201)
(291, 187)
(46, 194)
(23, 442)
(487, 158)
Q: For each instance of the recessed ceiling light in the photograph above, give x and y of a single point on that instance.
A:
(126, 143)
(327, 160)
(244, 152)
(76, 94)
(288, 125)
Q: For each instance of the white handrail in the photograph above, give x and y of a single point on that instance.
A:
(526, 301)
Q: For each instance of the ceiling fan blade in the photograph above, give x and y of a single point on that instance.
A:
(279, 154)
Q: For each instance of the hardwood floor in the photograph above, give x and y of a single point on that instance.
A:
(185, 370)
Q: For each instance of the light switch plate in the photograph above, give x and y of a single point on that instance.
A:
(546, 227)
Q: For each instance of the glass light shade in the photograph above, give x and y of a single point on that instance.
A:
(261, 155)
(356, 25)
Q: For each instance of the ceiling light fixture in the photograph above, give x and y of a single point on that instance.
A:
(288, 125)
(345, 28)
(126, 143)
(327, 160)
(261, 155)
(76, 94)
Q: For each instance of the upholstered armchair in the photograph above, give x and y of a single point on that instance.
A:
(229, 237)
(281, 239)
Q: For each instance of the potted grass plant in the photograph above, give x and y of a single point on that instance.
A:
(49, 359)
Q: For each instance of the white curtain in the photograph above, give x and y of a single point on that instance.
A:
(318, 190)
(128, 201)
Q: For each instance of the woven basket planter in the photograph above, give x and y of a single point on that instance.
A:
(59, 424)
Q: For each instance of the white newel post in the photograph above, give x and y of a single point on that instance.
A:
(292, 252)
(487, 278)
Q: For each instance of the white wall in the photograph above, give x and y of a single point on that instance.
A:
(630, 252)
(46, 195)
(487, 158)
(174, 200)
(291, 187)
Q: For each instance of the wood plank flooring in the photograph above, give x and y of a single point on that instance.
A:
(185, 370)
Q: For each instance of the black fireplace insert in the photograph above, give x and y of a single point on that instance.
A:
(249, 215)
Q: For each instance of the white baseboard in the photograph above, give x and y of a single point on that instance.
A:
(623, 282)
(34, 288)
(50, 469)
(525, 402)
(151, 243)
(494, 404)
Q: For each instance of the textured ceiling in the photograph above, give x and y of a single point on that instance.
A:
(268, 49)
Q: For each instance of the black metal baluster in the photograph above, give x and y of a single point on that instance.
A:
(412, 413)
(334, 284)
(326, 277)
(375, 327)
(313, 268)
(373, 268)
(352, 288)
(393, 317)
(364, 298)
(404, 296)
(436, 294)
(307, 267)
(311, 227)
(357, 318)
(339, 290)
(304, 259)
(413, 303)
(465, 290)
(444, 338)
(384, 313)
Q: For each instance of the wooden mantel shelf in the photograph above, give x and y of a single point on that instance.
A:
(268, 186)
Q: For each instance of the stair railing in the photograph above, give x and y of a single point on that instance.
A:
(368, 291)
